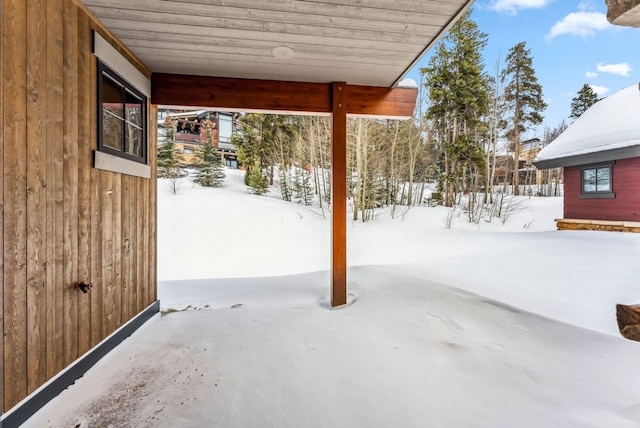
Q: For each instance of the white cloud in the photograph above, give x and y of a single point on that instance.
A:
(512, 6)
(568, 94)
(621, 69)
(600, 90)
(581, 24)
(591, 74)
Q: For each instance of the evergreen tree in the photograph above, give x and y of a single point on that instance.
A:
(256, 180)
(302, 186)
(169, 161)
(524, 95)
(285, 183)
(208, 164)
(585, 98)
(458, 90)
(257, 138)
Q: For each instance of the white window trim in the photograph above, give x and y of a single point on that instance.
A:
(107, 162)
(118, 63)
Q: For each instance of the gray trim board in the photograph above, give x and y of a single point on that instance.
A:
(595, 195)
(589, 158)
(75, 371)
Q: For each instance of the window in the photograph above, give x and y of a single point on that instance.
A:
(122, 129)
(596, 181)
(225, 122)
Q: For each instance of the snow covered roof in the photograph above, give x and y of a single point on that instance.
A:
(609, 130)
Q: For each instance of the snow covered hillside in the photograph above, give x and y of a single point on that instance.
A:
(575, 277)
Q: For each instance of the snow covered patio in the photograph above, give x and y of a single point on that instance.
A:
(491, 325)
(408, 352)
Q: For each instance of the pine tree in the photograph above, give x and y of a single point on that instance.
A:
(285, 183)
(524, 94)
(209, 169)
(458, 90)
(169, 161)
(307, 189)
(256, 180)
(257, 138)
(585, 98)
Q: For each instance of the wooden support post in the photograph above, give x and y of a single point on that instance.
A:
(339, 194)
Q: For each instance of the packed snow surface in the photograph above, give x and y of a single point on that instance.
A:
(477, 325)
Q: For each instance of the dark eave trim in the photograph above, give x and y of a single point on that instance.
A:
(589, 158)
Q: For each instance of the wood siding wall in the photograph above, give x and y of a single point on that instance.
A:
(626, 204)
(62, 220)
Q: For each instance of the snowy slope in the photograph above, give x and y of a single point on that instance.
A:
(226, 232)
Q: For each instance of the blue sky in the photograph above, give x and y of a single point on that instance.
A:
(571, 44)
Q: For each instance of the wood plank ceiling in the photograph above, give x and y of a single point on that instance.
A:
(361, 42)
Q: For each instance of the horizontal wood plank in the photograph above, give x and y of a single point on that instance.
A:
(310, 12)
(290, 23)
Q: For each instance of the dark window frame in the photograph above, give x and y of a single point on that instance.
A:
(104, 70)
(597, 194)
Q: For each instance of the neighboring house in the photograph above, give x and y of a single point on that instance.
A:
(192, 128)
(600, 153)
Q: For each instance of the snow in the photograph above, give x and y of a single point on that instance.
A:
(611, 123)
(479, 325)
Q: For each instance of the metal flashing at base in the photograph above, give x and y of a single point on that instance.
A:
(27, 408)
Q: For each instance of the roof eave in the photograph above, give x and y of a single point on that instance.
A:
(435, 40)
(589, 158)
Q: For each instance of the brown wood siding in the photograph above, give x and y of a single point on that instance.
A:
(1, 208)
(62, 221)
(625, 205)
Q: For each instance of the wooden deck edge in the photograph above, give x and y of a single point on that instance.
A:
(30, 405)
(603, 225)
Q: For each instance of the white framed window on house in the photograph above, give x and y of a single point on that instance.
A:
(597, 181)
(225, 122)
(122, 103)
(122, 118)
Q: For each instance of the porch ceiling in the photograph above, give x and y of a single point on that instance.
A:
(373, 42)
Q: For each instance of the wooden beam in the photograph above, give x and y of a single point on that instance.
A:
(381, 102)
(278, 96)
(338, 194)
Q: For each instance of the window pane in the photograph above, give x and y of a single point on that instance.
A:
(112, 97)
(112, 131)
(133, 109)
(134, 118)
(226, 127)
(134, 140)
(588, 180)
(123, 117)
(112, 113)
(603, 179)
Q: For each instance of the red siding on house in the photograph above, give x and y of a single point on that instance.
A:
(626, 186)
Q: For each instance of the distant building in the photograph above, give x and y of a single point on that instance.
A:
(196, 127)
(600, 154)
